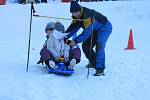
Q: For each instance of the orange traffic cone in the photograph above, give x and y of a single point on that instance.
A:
(130, 42)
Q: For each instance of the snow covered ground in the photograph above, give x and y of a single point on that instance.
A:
(127, 72)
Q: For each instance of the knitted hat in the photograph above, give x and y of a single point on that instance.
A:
(74, 7)
(49, 26)
(59, 27)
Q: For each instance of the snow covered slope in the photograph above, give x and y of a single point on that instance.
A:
(127, 72)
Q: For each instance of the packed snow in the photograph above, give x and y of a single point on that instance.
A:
(127, 71)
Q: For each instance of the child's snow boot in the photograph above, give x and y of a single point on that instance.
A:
(72, 63)
(40, 61)
(52, 64)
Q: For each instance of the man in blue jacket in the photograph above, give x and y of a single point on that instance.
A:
(94, 23)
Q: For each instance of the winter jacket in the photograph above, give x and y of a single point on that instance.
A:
(56, 45)
(87, 14)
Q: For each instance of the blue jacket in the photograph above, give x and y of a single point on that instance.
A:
(99, 22)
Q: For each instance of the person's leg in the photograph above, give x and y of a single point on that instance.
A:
(86, 49)
(75, 53)
(74, 58)
(45, 54)
(101, 40)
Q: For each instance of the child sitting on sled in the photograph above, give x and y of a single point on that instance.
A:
(55, 49)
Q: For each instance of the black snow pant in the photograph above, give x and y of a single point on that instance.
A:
(86, 49)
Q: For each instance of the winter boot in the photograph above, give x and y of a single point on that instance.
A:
(52, 64)
(72, 63)
(40, 61)
(99, 72)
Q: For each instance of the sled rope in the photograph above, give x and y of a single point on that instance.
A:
(61, 18)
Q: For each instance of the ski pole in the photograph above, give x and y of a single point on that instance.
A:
(91, 43)
(32, 11)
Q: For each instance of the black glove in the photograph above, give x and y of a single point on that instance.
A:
(40, 61)
(67, 41)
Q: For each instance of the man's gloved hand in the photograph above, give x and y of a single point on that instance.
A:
(67, 41)
(72, 43)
